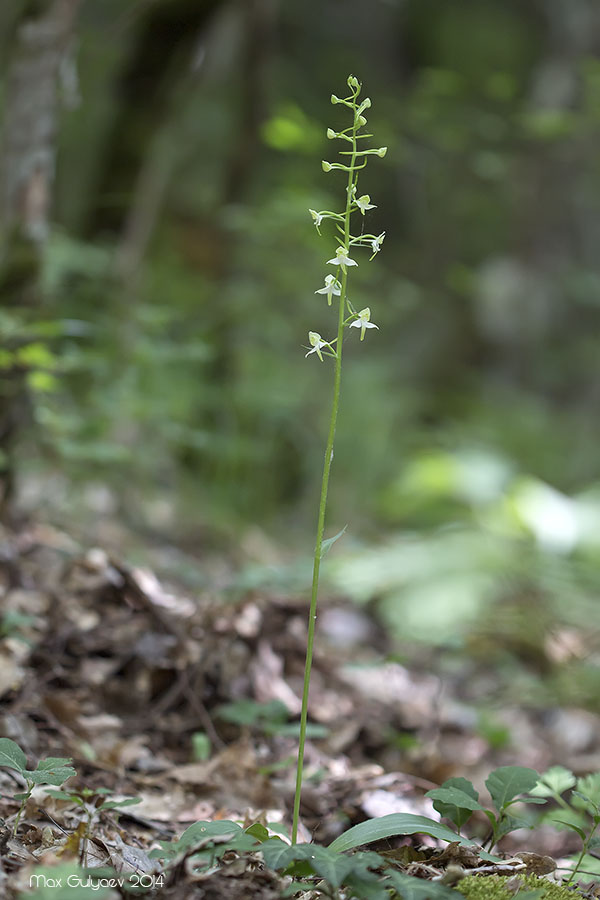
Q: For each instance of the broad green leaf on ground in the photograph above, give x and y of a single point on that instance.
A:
(456, 800)
(398, 823)
(258, 831)
(201, 831)
(507, 782)
(556, 780)
(333, 867)
(276, 853)
(419, 889)
(11, 755)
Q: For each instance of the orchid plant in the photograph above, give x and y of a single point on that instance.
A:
(336, 287)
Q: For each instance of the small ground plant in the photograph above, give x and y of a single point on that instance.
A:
(53, 770)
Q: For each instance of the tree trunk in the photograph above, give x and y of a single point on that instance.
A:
(26, 175)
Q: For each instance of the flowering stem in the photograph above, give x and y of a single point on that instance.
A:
(312, 617)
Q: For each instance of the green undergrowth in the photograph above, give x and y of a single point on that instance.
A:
(505, 887)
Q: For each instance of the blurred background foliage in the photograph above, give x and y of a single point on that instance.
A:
(164, 362)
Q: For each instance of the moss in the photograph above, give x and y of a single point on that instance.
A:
(493, 887)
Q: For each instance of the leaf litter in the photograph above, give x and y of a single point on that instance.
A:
(103, 662)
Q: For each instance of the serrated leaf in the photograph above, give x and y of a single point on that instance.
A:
(556, 780)
(328, 544)
(398, 823)
(419, 889)
(507, 782)
(11, 755)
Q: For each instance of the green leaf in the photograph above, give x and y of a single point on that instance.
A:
(397, 823)
(258, 831)
(328, 544)
(11, 755)
(556, 780)
(249, 712)
(51, 774)
(507, 782)
(53, 762)
(276, 853)
(456, 799)
(64, 795)
(419, 889)
(332, 866)
(200, 831)
(507, 824)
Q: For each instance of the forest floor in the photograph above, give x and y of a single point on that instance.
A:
(188, 700)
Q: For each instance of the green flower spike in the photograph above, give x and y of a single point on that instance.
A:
(348, 238)
(363, 322)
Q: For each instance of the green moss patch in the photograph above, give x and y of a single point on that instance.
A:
(494, 887)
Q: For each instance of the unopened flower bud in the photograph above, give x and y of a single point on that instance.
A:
(361, 121)
(331, 134)
(382, 151)
(335, 99)
(353, 82)
(327, 167)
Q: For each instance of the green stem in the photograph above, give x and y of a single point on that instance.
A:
(581, 856)
(312, 616)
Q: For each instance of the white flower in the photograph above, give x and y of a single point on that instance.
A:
(317, 343)
(332, 288)
(363, 322)
(316, 217)
(364, 203)
(377, 242)
(342, 259)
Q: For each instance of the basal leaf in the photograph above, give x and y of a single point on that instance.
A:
(393, 824)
